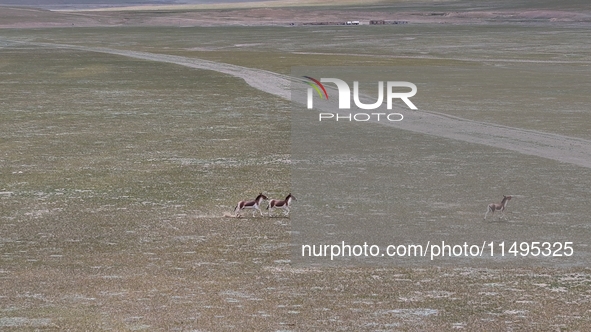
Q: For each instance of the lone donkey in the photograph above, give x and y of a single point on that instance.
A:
(492, 207)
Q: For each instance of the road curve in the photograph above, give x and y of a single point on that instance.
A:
(565, 149)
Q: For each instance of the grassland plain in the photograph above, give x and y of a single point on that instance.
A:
(115, 173)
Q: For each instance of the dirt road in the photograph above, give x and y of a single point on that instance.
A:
(552, 146)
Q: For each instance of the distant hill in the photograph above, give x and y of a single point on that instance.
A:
(87, 4)
(187, 13)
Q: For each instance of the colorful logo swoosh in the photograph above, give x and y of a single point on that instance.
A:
(317, 86)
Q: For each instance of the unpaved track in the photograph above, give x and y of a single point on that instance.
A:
(552, 146)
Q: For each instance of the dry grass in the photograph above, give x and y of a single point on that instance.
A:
(115, 175)
(209, 273)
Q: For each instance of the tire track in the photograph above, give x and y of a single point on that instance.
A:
(565, 149)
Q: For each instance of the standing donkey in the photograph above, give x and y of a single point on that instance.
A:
(282, 204)
(492, 207)
(254, 205)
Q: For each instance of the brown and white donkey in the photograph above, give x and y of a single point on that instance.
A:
(255, 205)
(281, 203)
(492, 207)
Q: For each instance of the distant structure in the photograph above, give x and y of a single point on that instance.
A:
(383, 22)
(324, 23)
(371, 22)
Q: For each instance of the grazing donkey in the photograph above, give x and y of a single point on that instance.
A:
(492, 207)
(254, 205)
(282, 204)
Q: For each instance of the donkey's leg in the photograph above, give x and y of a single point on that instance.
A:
(270, 208)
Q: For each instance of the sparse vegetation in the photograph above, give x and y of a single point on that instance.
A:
(115, 174)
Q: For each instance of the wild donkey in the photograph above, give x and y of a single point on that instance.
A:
(282, 204)
(492, 207)
(254, 205)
